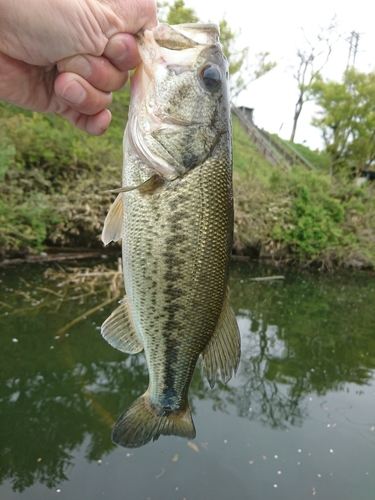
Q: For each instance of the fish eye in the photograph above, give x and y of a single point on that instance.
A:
(211, 77)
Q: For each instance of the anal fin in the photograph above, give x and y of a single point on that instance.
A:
(223, 351)
(118, 330)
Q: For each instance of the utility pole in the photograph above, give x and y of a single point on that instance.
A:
(353, 49)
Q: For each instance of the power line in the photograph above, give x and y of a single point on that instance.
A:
(353, 48)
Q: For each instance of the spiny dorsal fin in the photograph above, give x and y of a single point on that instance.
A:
(118, 330)
(223, 351)
(112, 230)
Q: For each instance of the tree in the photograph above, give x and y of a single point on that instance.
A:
(176, 13)
(311, 60)
(241, 71)
(347, 119)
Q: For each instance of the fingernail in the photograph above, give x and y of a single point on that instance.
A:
(79, 65)
(116, 50)
(74, 93)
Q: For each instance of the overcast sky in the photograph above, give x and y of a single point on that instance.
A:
(275, 26)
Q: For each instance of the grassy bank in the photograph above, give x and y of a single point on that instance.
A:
(52, 177)
(301, 216)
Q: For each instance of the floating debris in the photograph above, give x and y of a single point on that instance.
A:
(161, 473)
(193, 446)
(175, 458)
(267, 278)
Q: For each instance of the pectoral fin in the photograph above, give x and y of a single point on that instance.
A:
(118, 330)
(148, 186)
(112, 230)
(224, 349)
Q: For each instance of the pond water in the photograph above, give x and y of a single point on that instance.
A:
(298, 421)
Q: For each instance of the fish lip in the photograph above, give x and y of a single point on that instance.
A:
(205, 33)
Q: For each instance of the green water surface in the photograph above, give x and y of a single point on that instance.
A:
(297, 422)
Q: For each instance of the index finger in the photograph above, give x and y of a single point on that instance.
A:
(122, 51)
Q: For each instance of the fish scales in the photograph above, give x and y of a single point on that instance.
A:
(183, 266)
(177, 238)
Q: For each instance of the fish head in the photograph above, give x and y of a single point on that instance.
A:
(180, 103)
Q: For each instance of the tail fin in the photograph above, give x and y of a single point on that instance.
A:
(142, 422)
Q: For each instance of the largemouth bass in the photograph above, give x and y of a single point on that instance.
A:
(175, 216)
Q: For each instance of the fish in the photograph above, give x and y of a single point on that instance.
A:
(174, 213)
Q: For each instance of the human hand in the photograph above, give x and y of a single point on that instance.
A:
(67, 56)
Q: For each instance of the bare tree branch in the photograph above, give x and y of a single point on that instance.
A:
(311, 61)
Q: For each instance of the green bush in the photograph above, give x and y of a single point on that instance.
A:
(52, 176)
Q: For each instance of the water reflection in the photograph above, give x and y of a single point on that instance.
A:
(307, 334)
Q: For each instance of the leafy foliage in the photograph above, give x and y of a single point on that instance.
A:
(52, 175)
(299, 215)
(312, 224)
(348, 118)
(178, 13)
